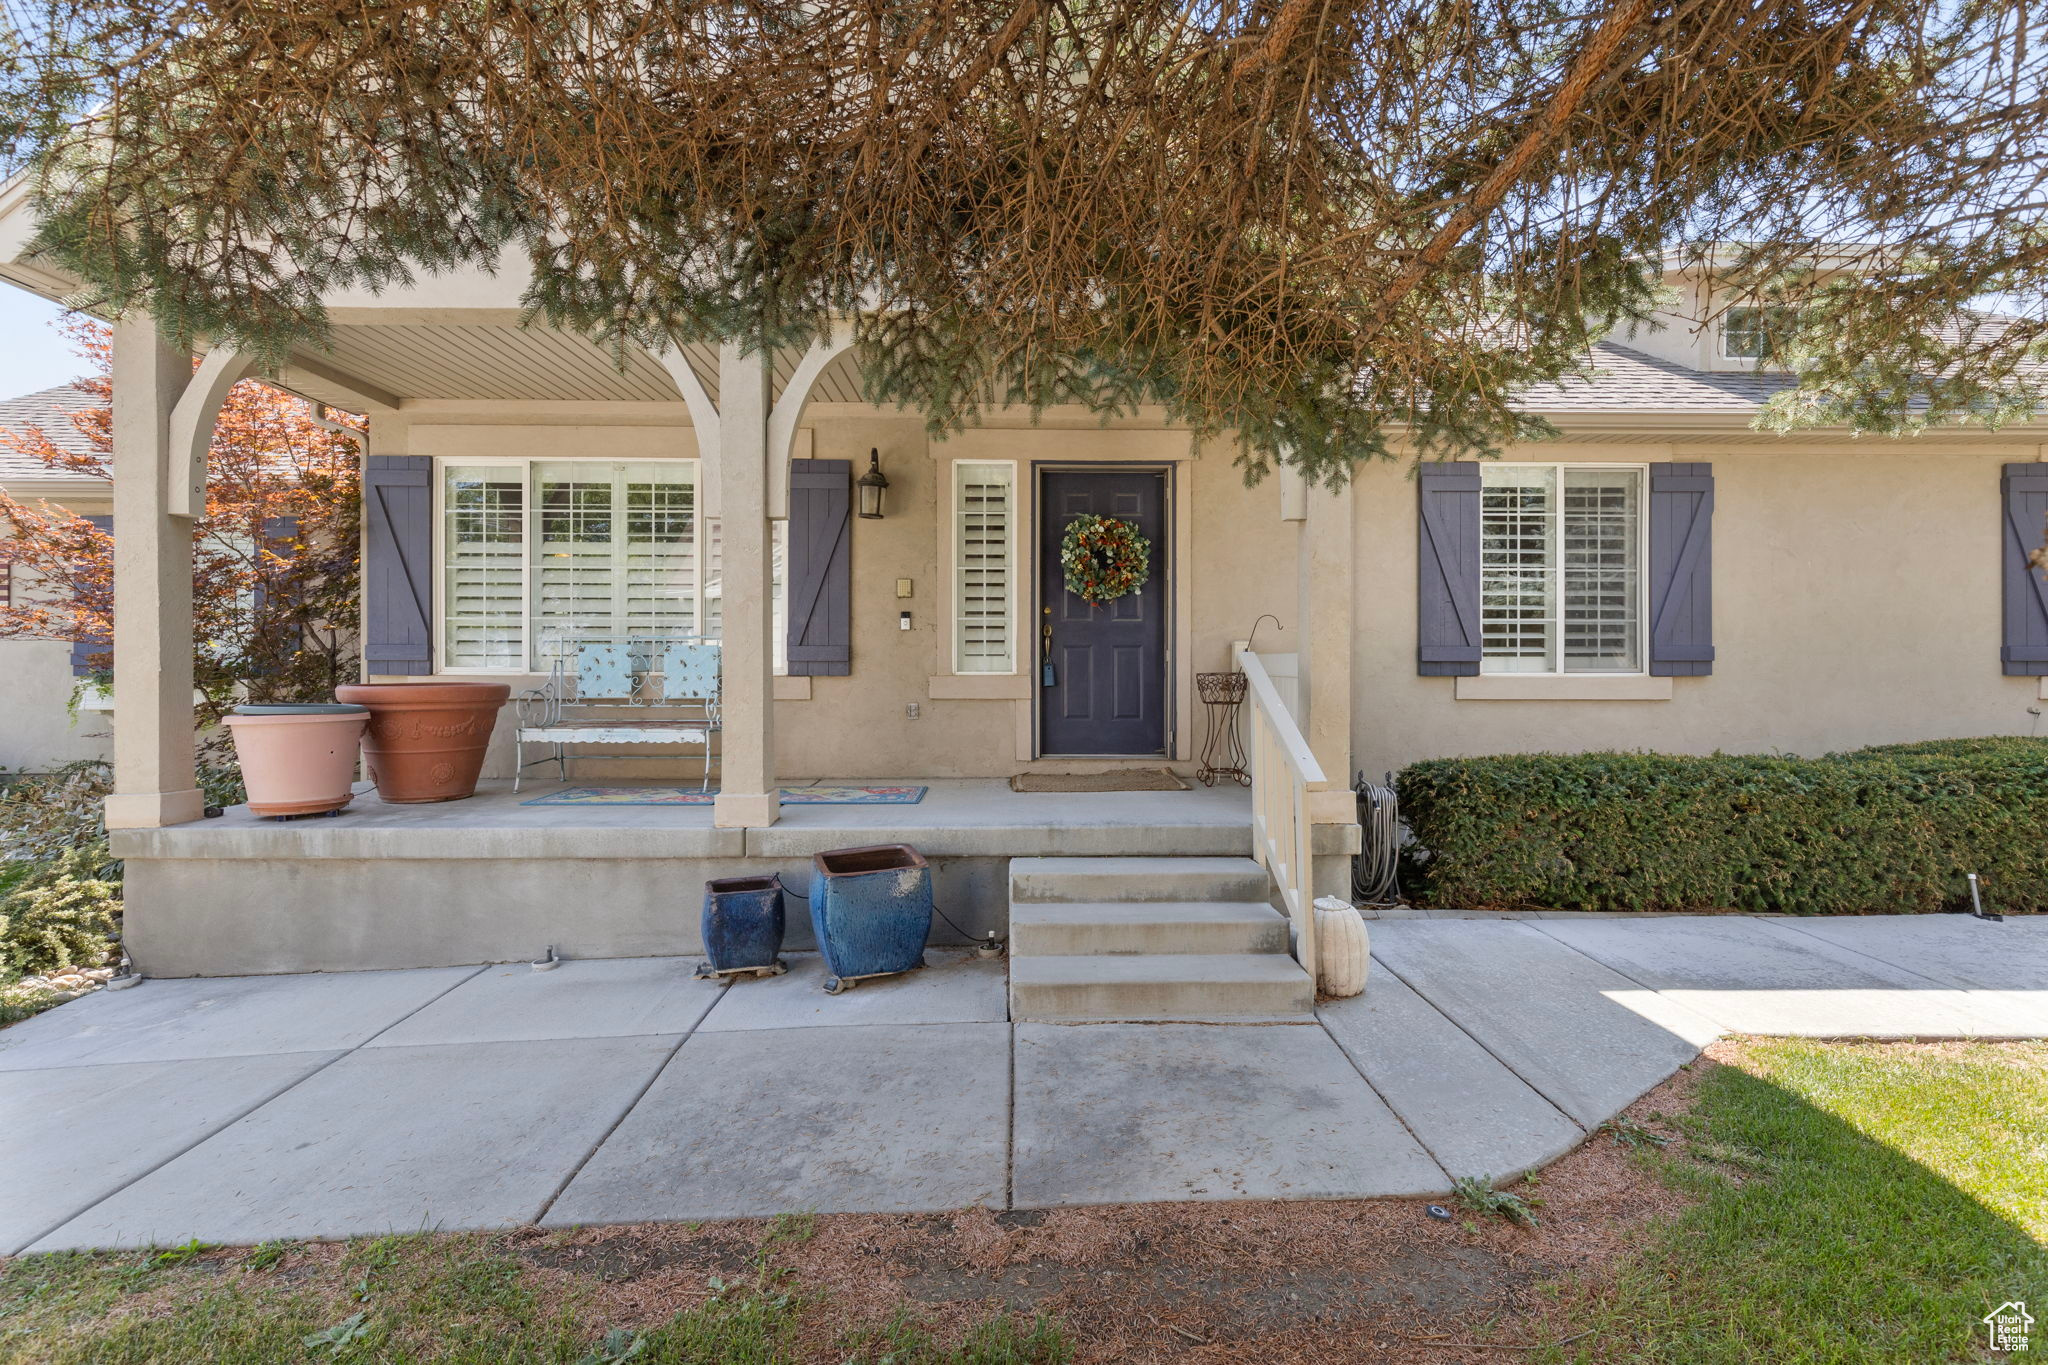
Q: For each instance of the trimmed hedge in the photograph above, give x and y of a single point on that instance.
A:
(1887, 830)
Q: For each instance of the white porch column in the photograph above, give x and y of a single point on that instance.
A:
(748, 793)
(1324, 554)
(1324, 558)
(155, 782)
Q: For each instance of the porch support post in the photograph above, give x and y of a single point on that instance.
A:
(155, 763)
(748, 795)
(1324, 558)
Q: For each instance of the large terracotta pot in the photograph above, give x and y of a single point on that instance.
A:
(297, 760)
(426, 741)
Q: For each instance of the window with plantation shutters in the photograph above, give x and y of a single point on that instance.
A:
(484, 567)
(614, 555)
(540, 556)
(1561, 581)
(984, 567)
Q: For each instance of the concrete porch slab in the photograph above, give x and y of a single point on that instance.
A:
(752, 1122)
(496, 823)
(204, 898)
(954, 987)
(1579, 1032)
(244, 1016)
(68, 1140)
(608, 998)
(1122, 1113)
(982, 817)
(388, 1140)
(1749, 978)
(958, 817)
(1473, 1114)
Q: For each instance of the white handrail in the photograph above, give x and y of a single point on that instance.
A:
(1284, 771)
(1294, 746)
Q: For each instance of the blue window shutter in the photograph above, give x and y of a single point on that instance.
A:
(1447, 585)
(1681, 570)
(83, 650)
(820, 571)
(2025, 648)
(398, 573)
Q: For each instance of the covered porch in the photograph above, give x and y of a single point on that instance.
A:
(931, 658)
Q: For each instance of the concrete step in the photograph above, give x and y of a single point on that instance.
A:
(1059, 928)
(1095, 880)
(1178, 987)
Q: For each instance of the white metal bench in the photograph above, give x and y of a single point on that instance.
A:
(610, 701)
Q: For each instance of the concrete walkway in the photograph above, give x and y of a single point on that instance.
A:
(240, 1110)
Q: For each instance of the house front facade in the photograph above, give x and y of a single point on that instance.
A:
(1663, 576)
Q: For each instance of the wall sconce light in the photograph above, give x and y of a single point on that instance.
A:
(871, 486)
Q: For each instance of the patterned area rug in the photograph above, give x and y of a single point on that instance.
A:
(690, 796)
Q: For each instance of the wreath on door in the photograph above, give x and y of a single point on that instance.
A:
(1105, 558)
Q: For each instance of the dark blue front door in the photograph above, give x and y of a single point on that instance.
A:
(1105, 692)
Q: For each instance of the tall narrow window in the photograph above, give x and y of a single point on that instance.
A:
(984, 581)
(660, 559)
(1561, 569)
(484, 583)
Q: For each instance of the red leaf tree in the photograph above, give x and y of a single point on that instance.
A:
(275, 572)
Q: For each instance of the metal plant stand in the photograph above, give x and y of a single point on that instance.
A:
(1223, 753)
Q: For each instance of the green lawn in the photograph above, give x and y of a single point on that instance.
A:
(1859, 1203)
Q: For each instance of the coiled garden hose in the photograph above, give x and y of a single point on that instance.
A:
(1374, 872)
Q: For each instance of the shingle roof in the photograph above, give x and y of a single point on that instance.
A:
(1626, 380)
(50, 409)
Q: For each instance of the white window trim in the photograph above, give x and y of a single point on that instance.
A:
(949, 552)
(1749, 363)
(525, 463)
(1721, 337)
(1642, 574)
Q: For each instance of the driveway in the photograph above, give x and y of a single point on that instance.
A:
(318, 1106)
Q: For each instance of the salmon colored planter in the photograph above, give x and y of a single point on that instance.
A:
(426, 741)
(297, 764)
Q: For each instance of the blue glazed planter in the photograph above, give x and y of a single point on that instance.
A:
(872, 910)
(743, 923)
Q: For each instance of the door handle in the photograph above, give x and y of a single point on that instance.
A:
(1047, 676)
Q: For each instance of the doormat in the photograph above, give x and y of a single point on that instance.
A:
(1138, 780)
(690, 796)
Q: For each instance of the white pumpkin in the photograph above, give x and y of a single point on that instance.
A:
(1343, 954)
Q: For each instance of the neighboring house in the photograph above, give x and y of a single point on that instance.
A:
(37, 728)
(1664, 577)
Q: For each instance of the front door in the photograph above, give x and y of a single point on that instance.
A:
(1102, 669)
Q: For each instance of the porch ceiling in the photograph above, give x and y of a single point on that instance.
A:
(498, 363)
(505, 362)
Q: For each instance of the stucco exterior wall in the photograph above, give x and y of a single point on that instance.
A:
(1234, 559)
(1856, 601)
(1856, 598)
